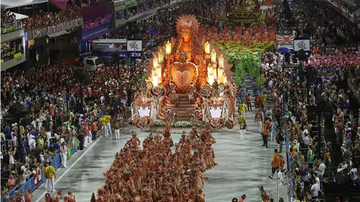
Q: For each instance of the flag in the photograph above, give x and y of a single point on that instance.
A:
(285, 39)
(37, 175)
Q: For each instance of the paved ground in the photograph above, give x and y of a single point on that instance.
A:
(243, 165)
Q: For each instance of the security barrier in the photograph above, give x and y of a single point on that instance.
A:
(32, 34)
(28, 182)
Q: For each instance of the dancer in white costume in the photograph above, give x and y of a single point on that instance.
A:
(274, 126)
(117, 122)
(63, 154)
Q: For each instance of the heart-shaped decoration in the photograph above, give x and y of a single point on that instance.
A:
(182, 78)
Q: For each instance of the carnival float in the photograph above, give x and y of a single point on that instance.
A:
(188, 85)
(248, 39)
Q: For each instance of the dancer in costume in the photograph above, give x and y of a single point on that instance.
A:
(259, 119)
(242, 108)
(273, 125)
(243, 127)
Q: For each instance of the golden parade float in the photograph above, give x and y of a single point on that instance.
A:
(245, 13)
(188, 85)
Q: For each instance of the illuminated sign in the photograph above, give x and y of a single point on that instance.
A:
(134, 45)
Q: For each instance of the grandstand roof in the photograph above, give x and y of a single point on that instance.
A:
(18, 3)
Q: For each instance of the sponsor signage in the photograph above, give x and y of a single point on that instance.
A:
(302, 43)
(134, 45)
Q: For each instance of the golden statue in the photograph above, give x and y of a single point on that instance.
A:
(242, 13)
(184, 65)
(185, 71)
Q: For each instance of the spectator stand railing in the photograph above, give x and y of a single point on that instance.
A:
(289, 164)
(7, 28)
(55, 30)
(288, 158)
(121, 2)
(28, 182)
(354, 91)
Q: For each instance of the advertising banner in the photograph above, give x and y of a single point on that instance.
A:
(134, 45)
(302, 43)
(72, 146)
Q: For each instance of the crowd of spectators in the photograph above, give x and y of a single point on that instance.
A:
(355, 81)
(55, 106)
(327, 27)
(164, 21)
(94, 22)
(335, 60)
(43, 20)
(310, 171)
(75, 4)
(53, 100)
(145, 6)
(8, 50)
(7, 18)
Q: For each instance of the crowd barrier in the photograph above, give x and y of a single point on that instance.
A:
(11, 27)
(289, 164)
(288, 158)
(28, 182)
(7, 58)
(354, 91)
(50, 30)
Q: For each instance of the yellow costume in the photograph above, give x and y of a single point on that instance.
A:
(242, 107)
(102, 121)
(50, 172)
(264, 98)
(240, 118)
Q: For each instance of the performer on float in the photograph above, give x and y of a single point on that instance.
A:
(192, 93)
(243, 126)
(173, 97)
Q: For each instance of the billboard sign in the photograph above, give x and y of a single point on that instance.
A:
(302, 43)
(134, 45)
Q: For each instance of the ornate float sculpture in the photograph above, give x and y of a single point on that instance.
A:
(245, 13)
(187, 83)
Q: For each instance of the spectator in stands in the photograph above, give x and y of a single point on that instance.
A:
(69, 4)
(94, 22)
(321, 169)
(11, 153)
(305, 171)
(315, 188)
(11, 182)
(7, 18)
(327, 158)
(77, 3)
(306, 140)
(354, 175)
